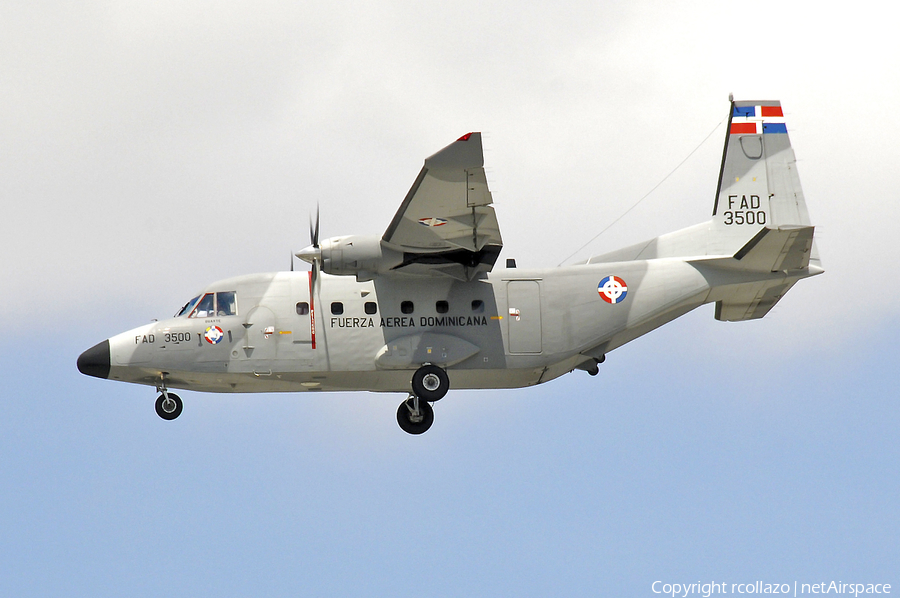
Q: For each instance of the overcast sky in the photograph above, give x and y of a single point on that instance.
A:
(148, 149)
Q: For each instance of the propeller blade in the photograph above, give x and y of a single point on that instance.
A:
(314, 232)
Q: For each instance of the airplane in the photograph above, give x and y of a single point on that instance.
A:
(423, 308)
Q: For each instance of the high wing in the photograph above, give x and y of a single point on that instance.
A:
(446, 225)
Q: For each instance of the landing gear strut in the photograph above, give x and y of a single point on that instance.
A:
(429, 384)
(168, 404)
(415, 415)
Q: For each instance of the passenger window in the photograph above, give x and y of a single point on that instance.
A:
(337, 308)
(303, 308)
(371, 308)
(226, 304)
(478, 306)
(206, 308)
(406, 307)
(442, 307)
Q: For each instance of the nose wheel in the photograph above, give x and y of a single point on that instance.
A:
(169, 405)
(415, 415)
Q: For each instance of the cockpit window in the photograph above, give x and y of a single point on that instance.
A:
(226, 305)
(188, 306)
(223, 303)
(206, 307)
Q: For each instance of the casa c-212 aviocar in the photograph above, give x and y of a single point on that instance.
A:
(423, 309)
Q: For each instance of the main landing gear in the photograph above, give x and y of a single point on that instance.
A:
(415, 415)
(592, 366)
(168, 404)
(429, 384)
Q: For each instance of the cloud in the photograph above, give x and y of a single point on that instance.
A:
(150, 149)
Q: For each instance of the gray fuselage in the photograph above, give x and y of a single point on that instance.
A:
(511, 328)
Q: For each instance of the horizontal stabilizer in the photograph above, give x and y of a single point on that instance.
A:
(786, 248)
(775, 257)
(751, 302)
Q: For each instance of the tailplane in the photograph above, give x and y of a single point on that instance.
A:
(758, 189)
(759, 242)
(749, 284)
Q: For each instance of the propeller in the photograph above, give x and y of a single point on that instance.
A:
(310, 254)
(314, 232)
(313, 253)
(314, 239)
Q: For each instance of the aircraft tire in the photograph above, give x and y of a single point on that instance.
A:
(409, 426)
(170, 413)
(430, 382)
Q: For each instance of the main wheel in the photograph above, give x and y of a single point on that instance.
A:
(418, 423)
(430, 383)
(169, 406)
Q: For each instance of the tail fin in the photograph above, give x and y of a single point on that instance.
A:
(760, 214)
(758, 182)
(758, 189)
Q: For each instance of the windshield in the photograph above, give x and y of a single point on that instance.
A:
(187, 307)
(206, 308)
(223, 303)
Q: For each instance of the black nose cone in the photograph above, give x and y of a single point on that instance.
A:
(95, 361)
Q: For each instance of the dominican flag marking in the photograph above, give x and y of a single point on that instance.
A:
(213, 335)
(612, 289)
(432, 221)
(757, 120)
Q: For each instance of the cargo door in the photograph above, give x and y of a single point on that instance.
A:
(524, 316)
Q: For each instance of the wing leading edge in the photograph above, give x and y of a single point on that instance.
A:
(446, 225)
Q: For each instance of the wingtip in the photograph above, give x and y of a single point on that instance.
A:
(465, 137)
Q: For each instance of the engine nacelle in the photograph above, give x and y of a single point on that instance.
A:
(363, 257)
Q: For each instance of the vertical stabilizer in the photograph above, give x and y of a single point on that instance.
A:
(760, 214)
(758, 183)
(758, 191)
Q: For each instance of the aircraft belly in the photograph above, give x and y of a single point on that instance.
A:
(347, 381)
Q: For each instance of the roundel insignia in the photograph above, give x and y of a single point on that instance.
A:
(612, 289)
(213, 335)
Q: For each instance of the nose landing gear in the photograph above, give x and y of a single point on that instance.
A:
(168, 404)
